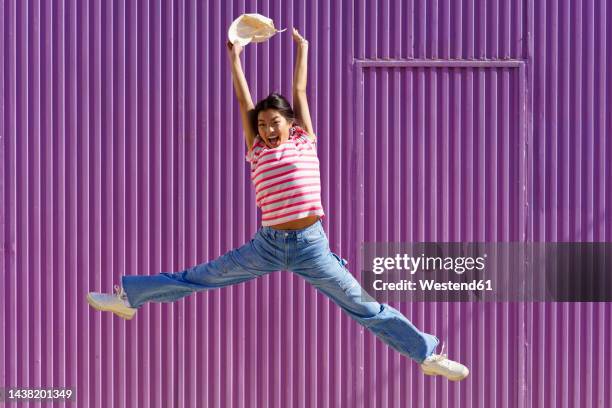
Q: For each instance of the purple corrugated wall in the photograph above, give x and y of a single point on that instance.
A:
(121, 153)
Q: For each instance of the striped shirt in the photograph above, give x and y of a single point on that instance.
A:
(286, 179)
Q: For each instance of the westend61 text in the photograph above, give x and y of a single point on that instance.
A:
(433, 285)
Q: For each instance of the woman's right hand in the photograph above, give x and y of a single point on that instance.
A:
(233, 50)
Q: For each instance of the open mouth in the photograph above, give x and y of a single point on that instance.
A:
(274, 141)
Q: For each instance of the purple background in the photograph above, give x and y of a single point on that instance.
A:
(121, 153)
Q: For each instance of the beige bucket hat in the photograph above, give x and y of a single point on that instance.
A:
(251, 28)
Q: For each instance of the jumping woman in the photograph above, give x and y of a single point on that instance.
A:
(282, 152)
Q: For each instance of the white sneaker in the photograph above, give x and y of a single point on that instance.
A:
(439, 364)
(116, 303)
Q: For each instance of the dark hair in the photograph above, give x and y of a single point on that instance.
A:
(273, 101)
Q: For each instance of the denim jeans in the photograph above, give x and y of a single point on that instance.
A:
(305, 252)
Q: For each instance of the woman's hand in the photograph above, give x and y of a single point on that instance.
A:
(299, 40)
(233, 50)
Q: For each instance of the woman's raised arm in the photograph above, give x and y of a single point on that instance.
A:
(300, 74)
(242, 91)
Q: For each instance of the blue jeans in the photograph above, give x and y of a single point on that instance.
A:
(305, 252)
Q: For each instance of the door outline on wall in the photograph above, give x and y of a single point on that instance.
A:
(525, 130)
(525, 134)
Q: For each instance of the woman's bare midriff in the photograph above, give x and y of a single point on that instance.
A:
(297, 224)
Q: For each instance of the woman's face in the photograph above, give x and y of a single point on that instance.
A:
(272, 127)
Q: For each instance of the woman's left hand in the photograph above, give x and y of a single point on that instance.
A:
(298, 38)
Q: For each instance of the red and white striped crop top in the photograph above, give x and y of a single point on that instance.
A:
(286, 178)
